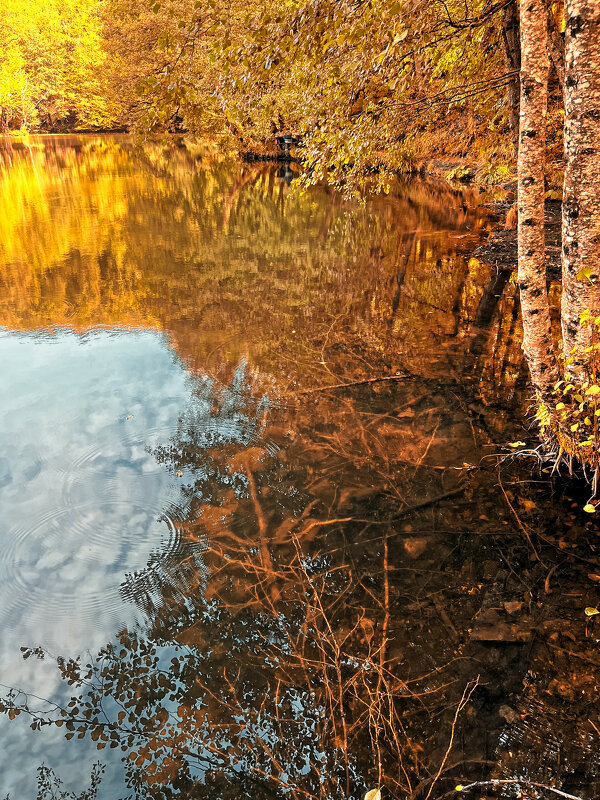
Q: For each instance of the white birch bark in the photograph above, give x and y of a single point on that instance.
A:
(581, 195)
(537, 332)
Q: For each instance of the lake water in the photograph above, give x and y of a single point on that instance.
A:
(255, 471)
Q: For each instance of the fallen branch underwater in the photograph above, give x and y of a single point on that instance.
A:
(509, 782)
(354, 383)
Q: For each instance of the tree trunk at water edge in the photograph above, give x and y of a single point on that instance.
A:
(537, 334)
(581, 195)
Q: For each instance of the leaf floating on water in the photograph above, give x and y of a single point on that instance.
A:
(528, 505)
(590, 611)
(180, 474)
(374, 794)
(415, 546)
(593, 577)
(516, 444)
(512, 606)
(590, 508)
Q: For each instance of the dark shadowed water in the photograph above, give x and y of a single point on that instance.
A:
(257, 497)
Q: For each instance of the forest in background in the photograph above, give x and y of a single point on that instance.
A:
(366, 85)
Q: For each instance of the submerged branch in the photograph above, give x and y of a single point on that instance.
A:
(354, 383)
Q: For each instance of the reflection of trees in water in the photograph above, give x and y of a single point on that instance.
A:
(114, 235)
(317, 641)
(274, 626)
(219, 422)
(323, 571)
(224, 259)
(272, 666)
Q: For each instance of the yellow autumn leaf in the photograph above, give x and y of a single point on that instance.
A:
(528, 505)
(593, 389)
(516, 444)
(590, 508)
(590, 611)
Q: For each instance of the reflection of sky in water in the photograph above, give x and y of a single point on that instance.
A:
(81, 498)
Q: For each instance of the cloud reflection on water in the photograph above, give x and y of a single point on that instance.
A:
(82, 501)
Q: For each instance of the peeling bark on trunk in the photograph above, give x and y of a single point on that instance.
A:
(537, 332)
(581, 196)
(512, 60)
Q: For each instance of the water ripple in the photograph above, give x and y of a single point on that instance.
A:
(74, 557)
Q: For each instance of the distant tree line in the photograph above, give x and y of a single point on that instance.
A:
(365, 84)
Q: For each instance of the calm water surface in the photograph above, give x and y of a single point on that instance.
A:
(284, 575)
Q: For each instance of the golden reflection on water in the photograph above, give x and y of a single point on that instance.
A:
(221, 256)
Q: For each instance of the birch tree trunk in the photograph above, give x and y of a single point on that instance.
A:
(581, 195)
(537, 333)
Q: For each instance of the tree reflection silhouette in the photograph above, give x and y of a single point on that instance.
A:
(267, 669)
(296, 641)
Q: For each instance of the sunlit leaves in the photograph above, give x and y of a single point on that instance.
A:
(51, 64)
(357, 82)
